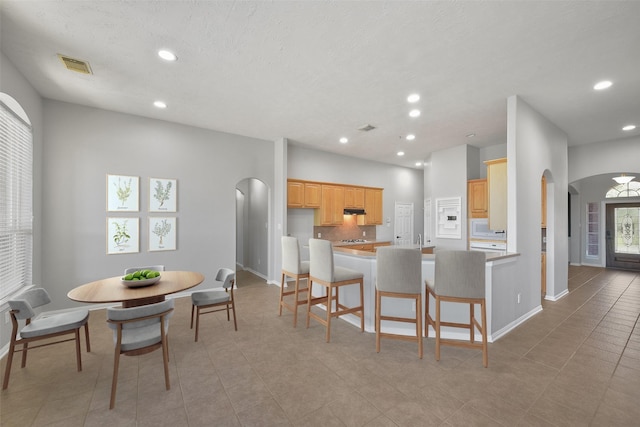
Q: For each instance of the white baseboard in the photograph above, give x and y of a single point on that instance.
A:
(511, 326)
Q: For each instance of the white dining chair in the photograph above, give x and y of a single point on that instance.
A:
(139, 330)
(42, 327)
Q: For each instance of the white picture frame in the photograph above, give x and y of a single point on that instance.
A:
(123, 235)
(163, 195)
(162, 233)
(123, 193)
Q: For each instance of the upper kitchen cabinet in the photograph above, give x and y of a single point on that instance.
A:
(331, 211)
(372, 207)
(301, 194)
(497, 192)
(477, 195)
(354, 197)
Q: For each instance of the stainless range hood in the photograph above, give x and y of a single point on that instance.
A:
(354, 212)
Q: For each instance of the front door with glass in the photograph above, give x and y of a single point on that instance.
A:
(622, 235)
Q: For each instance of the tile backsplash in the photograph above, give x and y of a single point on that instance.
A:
(348, 230)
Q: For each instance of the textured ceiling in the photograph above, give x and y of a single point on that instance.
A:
(315, 71)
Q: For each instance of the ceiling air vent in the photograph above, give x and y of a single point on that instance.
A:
(366, 128)
(76, 65)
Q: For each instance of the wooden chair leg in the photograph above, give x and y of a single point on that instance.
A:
(25, 346)
(485, 355)
(197, 322)
(114, 380)
(295, 302)
(426, 315)
(437, 328)
(165, 354)
(86, 336)
(7, 369)
(233, 308)
(310, 284)
(377, 315)
(192, 309)
(362, 306)
(472, 328)
(78, 352)
(419, 324)
(281, 295)
(329, 298)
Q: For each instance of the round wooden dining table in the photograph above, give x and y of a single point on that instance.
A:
(113, 290)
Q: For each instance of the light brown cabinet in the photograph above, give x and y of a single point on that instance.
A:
(329, 201)
(497, 193)
(373, 207)
(354, 197)
(331, 211)
(477, 196)
(301, 194)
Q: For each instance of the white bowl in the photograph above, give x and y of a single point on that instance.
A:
(140, 283)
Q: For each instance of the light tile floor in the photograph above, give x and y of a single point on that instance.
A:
(576, 363)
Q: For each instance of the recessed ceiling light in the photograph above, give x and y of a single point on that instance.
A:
(629, 127)
(602, 85)
(400, 153)
(411, 137)
(471, 135)
(160, 104)
(414, 97)
(344, 140)
(167, 55)
(418, 163)
(414, 113)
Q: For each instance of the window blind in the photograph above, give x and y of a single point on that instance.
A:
(16, 201)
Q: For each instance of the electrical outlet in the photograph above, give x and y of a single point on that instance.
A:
(518, 298)
(364, 234)
(319, 235)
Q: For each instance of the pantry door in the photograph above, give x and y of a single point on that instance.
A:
(404, 223)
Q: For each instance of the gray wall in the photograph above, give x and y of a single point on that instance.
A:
(400, 185)
(535, 146)
(84, 144)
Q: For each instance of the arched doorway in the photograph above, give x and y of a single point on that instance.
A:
(252, 231)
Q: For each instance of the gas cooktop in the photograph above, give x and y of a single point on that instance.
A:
(354, 241)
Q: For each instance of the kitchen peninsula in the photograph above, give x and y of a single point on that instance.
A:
(501, 296)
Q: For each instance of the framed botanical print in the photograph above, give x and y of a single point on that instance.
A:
(122, 193)
(122, 235)
(162, 233)
(163, 195)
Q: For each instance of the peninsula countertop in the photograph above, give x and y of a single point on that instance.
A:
(491, 256)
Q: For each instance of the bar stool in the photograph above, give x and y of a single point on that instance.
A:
(323, 272)
(399, 275)
(297, 270)
(459, 277)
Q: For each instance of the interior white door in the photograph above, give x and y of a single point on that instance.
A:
(403, 223)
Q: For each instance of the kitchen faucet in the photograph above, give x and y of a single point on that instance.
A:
(420, 240)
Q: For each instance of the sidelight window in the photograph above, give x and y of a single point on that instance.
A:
(593, 227)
